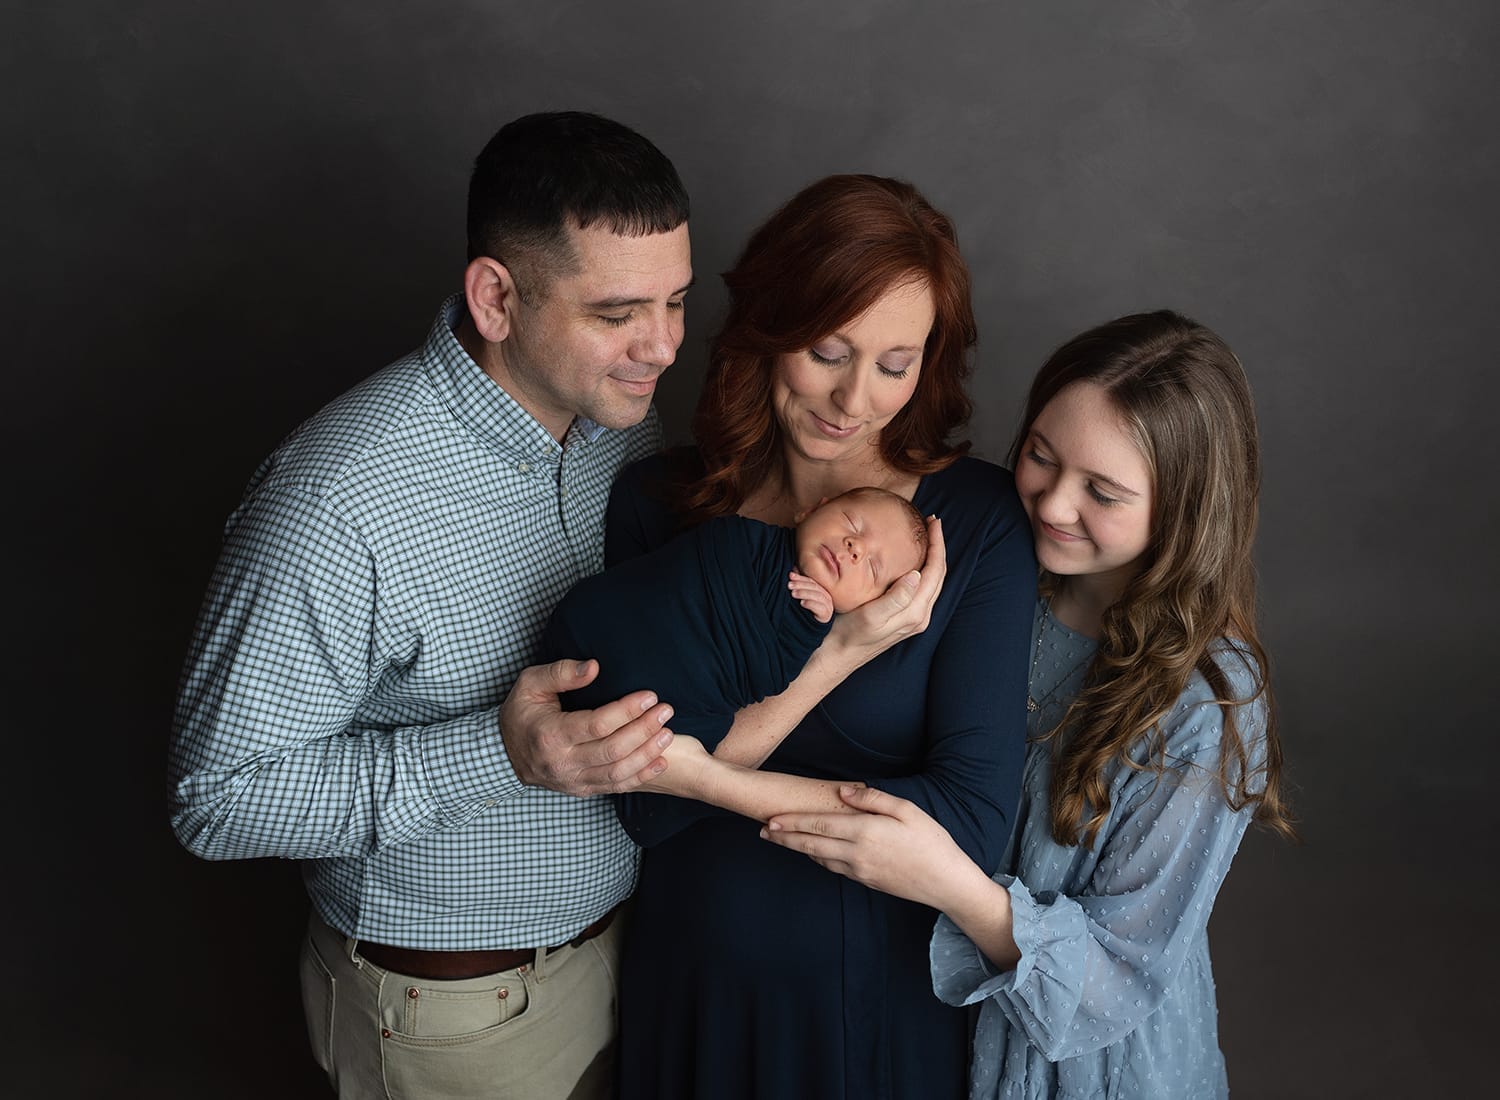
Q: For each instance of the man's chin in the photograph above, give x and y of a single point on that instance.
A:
(620, 412)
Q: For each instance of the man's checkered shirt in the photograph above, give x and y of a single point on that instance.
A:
(381, 585)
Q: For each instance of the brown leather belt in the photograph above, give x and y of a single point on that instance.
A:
(452, 966)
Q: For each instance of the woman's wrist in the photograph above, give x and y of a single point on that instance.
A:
(836, 657)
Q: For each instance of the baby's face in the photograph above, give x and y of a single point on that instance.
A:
(856, 546)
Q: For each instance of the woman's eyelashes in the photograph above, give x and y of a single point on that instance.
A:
(837, 357)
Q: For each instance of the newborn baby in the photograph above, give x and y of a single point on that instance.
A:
(728, 612)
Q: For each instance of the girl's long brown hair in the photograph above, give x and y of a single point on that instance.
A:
(820, 261)
(1184, 396)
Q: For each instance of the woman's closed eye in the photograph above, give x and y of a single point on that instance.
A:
(830, 355)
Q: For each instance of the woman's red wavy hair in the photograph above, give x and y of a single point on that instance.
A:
(818, 263)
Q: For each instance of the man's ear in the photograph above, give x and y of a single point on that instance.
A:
(490, 291)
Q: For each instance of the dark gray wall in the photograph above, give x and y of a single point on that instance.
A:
(217, 217)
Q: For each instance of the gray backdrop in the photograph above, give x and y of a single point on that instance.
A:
(217, 217)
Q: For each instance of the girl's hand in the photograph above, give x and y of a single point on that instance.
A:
(892, 846)
(904, 610)
(811, 595)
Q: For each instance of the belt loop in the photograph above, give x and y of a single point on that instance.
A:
(351, 948)
(539, 964)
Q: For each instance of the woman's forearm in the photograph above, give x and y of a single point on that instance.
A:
(762, 726)
(746, 791)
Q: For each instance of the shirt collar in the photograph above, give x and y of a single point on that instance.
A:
(481, 404)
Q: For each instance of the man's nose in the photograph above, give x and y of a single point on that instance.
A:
(658, 341)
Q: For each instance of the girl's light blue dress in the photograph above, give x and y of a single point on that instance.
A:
(1113, 996)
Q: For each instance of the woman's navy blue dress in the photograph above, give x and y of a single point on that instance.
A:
(751, 972)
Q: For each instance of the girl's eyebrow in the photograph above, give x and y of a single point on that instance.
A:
(1125, 490)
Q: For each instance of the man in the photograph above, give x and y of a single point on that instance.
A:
(380, 592)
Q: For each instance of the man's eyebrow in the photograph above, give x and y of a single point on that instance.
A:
(617, 303)
(1111, 482)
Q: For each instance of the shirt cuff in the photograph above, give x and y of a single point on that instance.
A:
(467, 766)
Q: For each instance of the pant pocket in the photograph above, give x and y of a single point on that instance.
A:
(318, 986)
(440, 1042)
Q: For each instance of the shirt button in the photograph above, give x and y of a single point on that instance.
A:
(524, 467)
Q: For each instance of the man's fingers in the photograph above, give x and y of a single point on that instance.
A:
(610, 743)
(557, 677)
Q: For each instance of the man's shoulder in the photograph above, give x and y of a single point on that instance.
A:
(355, 431)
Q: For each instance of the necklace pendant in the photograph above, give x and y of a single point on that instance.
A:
(1032, 706)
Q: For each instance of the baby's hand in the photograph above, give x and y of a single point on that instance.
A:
(811, 595)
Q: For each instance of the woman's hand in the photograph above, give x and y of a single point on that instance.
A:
(904, 610)
(892, 846)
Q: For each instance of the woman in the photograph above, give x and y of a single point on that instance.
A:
(1154, 743)
(747, 970)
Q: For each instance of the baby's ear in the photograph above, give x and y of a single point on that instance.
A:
(800, 516)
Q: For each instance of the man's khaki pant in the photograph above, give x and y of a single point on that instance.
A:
(541, 1032)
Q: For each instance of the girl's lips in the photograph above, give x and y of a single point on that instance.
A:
(833, 430)
(1060, 536)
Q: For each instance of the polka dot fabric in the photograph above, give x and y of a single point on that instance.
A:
(1114, 994)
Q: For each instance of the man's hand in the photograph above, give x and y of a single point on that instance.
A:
(690, 769)
(612, 749)
(811, 595)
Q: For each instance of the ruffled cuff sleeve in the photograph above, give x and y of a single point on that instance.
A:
(1051, 932)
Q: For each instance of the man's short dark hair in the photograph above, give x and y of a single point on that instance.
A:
(543, 172)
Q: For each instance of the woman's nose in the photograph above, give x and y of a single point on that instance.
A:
(850, 393)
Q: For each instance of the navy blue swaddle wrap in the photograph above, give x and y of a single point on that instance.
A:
(705, 621)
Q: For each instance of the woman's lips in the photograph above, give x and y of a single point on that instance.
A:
(833, 431)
